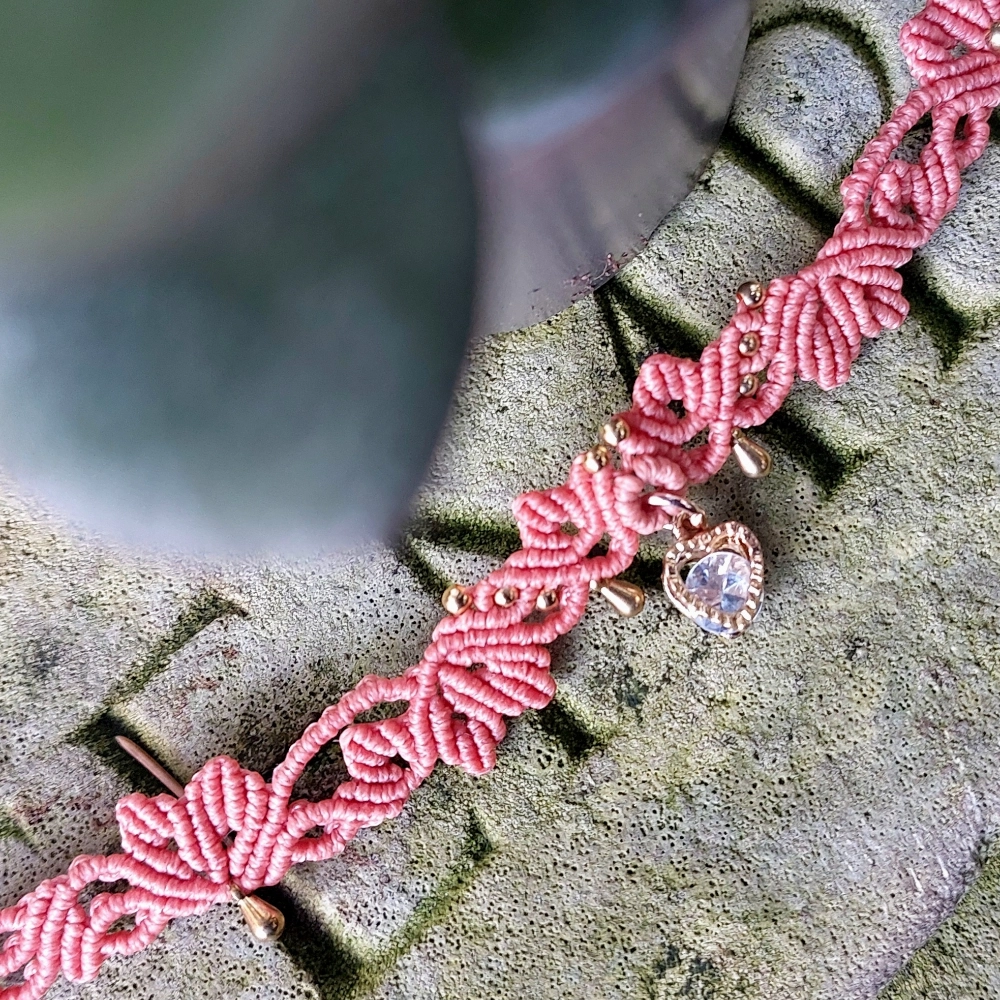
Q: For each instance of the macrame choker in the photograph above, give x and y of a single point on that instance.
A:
(228, 831)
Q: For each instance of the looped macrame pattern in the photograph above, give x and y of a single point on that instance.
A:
(490, 663)
(812, 323)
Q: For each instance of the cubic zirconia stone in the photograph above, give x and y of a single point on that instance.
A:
(721, 581)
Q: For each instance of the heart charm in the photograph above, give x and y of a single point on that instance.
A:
(721, 591)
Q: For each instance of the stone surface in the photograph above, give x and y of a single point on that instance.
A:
(809, 811)
(960, 959)
(790, 105)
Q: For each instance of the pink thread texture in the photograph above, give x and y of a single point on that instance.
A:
(491, 663)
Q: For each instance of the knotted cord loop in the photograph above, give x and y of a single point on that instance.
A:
(813, 323)
(233, 828)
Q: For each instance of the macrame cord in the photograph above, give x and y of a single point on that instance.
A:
(181, 856)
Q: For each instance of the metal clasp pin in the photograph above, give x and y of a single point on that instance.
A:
(266, 922)
(689, 518)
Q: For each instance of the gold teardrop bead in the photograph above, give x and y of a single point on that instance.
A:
(754, 459)
(266, 922)
(626, 598)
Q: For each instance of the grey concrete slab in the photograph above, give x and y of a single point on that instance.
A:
(798, 80)
(524, 397)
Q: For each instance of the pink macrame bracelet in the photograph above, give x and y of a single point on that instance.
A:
(230, 829)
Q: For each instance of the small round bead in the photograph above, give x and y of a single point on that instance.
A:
(596, 458)
(749, 344)
(456, 599)
(506, 596)
(547, 600)
(748, 385)
(751, 294)
(994, 38)
(614, 432)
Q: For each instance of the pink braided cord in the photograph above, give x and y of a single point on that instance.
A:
(490, 662)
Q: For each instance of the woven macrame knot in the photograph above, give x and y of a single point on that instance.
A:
(632, 504)
(210, 832)
(377, 755)
(950, 39)
(558, 521)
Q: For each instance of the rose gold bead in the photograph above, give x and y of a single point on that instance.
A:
(456, 599)
(749, 344)
(614, 432)
(596, 458)
(748, 385)
(754, 459)
(751, 294)
(547, 600)
(266, 922)
(994, 38)
(506, 596)
(626, 598)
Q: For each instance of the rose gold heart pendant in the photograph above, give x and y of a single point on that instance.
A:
(715, 576)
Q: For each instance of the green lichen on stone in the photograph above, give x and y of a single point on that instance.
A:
(571, 735)
(828, 467)
(686, 976)
(960, 961)
(465, 533)
(841, 27)
(98, 734)
(950, 331)
(488, 538)
(207, 607)
(764, 167)
(477, 849)
(332, 964)
(428, 578)
(339, 969)
(629, 310)
(10, 829)
(98, 737)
